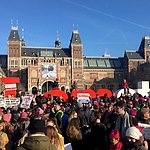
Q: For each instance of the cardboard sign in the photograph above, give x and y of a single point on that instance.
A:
(26, 102)
(83, 97)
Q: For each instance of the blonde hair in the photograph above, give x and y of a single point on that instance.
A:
(72, 131)
(53, 136)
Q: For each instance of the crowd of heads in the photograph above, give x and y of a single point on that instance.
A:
(108, 122)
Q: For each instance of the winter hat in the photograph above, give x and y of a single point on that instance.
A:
(24, 115)
(136, 99)
(114, 134)
(133, 112)
(62, 108)
(148, 98)
(1, 110)
(96, 103)
(142, 98)
(40, 111)
(80, 105)
(36, 125)
(133, 132)
(67, 109)
(7, 117)
(44, 106)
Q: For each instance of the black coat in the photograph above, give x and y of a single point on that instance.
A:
(98, 136)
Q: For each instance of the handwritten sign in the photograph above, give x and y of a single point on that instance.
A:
(9, 102)
(26, 102)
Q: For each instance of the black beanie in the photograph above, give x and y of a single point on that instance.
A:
(36, 125)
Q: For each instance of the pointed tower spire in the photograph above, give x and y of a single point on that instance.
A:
(22, 40)
(57, 42)
(11, 23)
(22, 33)
(14, 35)
(17, 23)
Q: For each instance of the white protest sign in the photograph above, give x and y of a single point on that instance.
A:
(26, 102)
(9, 102)
(68, 146)
(7, 86)
(10, 87)
(144, 125)
(83, 97)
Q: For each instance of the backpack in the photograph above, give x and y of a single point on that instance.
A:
(84, 121)
(85, 129)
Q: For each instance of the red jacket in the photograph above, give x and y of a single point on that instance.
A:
(118, 146)
(125, 85)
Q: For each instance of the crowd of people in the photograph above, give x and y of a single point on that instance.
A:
(101, 124)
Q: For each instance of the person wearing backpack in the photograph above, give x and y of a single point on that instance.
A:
(84, 124)
(82, 115)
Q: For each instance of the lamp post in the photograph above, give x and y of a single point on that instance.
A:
(47, 83)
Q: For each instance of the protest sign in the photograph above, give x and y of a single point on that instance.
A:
(144, 125)
(68, 146)
(26, 102)
(9, 102)
(83, 97)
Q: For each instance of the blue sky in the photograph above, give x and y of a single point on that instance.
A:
(111, 26)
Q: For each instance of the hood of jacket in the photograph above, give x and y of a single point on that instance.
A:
(38, 142)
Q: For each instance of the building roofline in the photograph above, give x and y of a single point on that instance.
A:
(130, 51)
(100, 57)
(137, 59)
(42, 47)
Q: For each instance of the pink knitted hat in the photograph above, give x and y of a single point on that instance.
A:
(114, 134)
(133, 112)
(7, 117)
(40, 111)
(44, 106)
(24, 115)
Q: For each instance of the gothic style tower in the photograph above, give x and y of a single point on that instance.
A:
(14, 52)
(77, 59)
(144, 48)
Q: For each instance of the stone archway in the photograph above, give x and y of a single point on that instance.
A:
(63, 88)
(48, 85)
(34, 90)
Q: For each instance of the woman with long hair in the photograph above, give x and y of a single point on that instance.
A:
(74, 134)
(54, 137)
(3, 137)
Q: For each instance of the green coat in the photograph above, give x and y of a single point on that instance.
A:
(37, 143)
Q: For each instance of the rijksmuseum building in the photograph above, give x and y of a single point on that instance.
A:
(39, 67)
